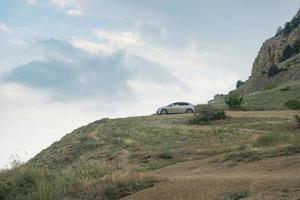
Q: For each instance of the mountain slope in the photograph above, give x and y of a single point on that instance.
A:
(184, 156)
(267, 89)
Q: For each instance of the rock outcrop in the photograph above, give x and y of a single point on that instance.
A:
(282, 50)
(273, 49)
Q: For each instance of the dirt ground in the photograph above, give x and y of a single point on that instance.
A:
(275, 178)
(271, 178)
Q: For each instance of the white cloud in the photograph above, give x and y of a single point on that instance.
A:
(5, 28)
(91, 47)
(33, 2)
(70, 7)
(75, 12)
(119, 39)
(63, 3)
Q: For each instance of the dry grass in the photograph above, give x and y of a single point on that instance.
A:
(142, 144)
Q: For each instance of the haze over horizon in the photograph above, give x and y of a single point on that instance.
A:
(66, 63)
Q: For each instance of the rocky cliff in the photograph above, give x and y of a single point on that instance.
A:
(282, 50)
(277, 48)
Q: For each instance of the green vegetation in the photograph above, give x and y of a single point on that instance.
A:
(234, 101)
(273, 70)
(85, 182)
(205, 113)
(297, 118)
(290, 50)
(293, 104)
(289, 27)
(238, 195)
(239, 83)
(270, 99)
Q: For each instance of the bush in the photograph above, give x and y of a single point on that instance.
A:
(287, 88)
(205, 113)
(297, 118)
(234, 101)
(273, 70)
(290, 50)
(238, 195)
(293, 104)
(166, 155)
(239, 83)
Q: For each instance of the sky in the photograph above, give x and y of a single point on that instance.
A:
(66, 63)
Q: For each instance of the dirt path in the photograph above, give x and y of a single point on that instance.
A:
(123, 162)
(276, 178)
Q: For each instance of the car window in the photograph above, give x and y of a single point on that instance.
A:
(183, 104)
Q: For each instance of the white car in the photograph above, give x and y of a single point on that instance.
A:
(176, 108)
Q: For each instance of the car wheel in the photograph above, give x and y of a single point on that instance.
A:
(189, 111)
(164, 112)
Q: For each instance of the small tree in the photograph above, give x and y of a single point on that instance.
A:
(234, 101)
(273, 70)
(239, 83)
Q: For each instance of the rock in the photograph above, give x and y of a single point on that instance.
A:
(272, 49)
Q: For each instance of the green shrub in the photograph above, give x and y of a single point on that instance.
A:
(287, 88)
(239, 83)
(273, 70)
(297, 118)
(205, 113)
(166, 155)
(234, 101)
(293, 104)
(238, 195)
(290, 50)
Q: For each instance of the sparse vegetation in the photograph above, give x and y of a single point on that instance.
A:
(289, 27)
(234, 101)
(293, 104)
(205, 113)
(151, 142)
(272, 98)
(238, 195)
(270, 139)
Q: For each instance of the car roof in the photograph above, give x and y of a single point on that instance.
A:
(181, 102)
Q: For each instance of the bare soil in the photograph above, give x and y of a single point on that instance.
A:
(275, 178)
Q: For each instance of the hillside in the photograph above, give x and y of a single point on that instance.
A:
(113, 158)
(247, 155)
(266, 91)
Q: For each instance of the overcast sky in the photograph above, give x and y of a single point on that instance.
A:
(65, 63)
